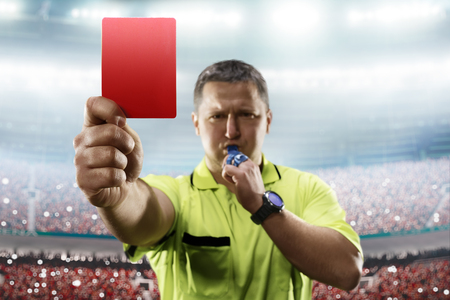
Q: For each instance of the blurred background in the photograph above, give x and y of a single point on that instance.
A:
(360, 96)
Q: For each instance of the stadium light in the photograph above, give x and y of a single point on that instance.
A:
(232, 19)
(386, 76)
(75, 13)
(93, 14)
(199, 18)
(8, 8)
(85, 13)
(397, 13)
(296, 18)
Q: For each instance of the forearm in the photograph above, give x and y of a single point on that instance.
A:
(320, 253)
(139, 219)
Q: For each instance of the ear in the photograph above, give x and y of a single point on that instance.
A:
(195, 122)
(269, 120)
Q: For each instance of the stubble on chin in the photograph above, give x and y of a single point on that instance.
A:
(214, 164)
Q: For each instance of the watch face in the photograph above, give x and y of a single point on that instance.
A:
(275, 199)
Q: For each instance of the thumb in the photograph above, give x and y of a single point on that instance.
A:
(100, 110)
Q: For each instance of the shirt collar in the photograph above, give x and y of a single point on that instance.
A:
(202, 178)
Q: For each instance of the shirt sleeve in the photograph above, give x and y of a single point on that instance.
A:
(321, 208)
(169, 186)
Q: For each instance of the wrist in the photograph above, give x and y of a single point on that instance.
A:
(255, 204)
(271, 203)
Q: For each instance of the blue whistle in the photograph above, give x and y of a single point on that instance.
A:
(234, 156)
(232, 148)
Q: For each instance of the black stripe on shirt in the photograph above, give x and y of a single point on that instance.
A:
(206, 240)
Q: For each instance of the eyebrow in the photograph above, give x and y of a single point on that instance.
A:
(217, 109)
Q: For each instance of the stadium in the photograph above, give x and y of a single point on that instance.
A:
(359, 93)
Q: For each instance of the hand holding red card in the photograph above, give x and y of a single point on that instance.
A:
(139, 65)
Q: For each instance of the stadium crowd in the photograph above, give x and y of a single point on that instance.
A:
(392, 197)
(62, 207)
(388, 198)
(14, 179)
(422, 276)
(36, 277)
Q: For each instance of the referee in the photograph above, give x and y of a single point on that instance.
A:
(239, 227)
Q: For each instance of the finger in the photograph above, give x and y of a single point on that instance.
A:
(108, 135)
(99, 110)
(94, 180)
(229, 173)
(100, 157)
(228, 160)
(133, 134)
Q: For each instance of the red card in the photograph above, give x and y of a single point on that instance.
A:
(139, 66)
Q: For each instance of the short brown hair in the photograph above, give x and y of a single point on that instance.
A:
(230, 71)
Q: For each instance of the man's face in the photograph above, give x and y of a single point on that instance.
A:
(231, 114)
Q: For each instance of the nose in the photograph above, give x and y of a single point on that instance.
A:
(232, 128)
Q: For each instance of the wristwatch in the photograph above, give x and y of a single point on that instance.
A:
(272, 203)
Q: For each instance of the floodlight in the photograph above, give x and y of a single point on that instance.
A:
(232, 19)
(75, 13)
(296, 18)
(8, 8)
(199, 18)
(398, 13)
(85, 13)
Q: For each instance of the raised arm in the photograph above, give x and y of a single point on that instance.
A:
(320, 253)
(108, 161)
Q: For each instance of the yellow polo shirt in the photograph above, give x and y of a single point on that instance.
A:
(215, 251)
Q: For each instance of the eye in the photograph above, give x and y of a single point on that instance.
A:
(216, 117)
(248, 115)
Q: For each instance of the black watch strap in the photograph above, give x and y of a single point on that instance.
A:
(263, 212)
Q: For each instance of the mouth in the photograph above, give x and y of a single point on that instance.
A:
(228, 145)
(225, 148)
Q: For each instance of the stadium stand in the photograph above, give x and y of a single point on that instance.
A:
(389, 198)
(38, 276)
(35, 276)
(392, 197)
(62, 207)
(378, 199)
(421, 276)
(13, 198)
